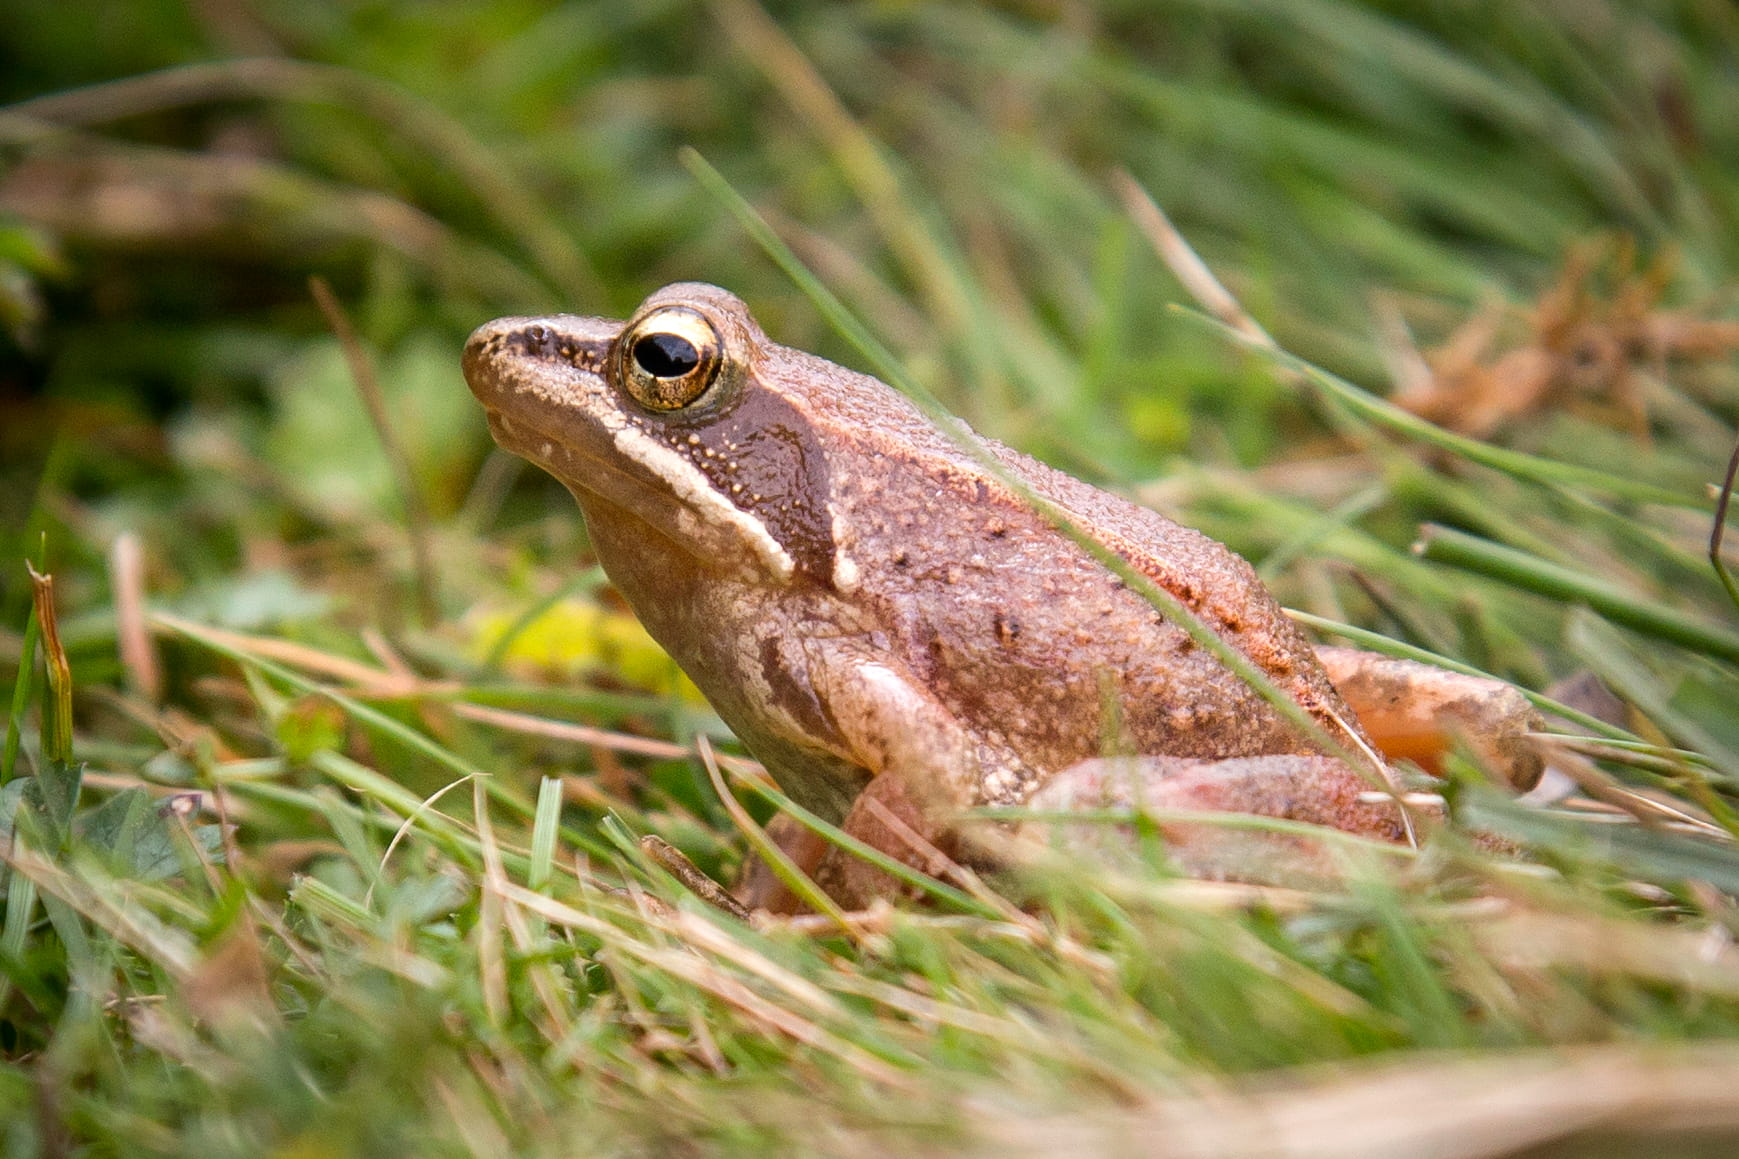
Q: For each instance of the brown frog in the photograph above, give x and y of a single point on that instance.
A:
(891, 630)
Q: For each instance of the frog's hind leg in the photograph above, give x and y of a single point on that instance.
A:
(1315, 790)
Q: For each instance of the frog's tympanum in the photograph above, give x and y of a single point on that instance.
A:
(896, 634)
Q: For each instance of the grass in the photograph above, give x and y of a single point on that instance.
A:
(327, 841)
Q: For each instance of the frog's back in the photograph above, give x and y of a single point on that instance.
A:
(990, 605)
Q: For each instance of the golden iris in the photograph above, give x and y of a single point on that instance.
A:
(667, 359)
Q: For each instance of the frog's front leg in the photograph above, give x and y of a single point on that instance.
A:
(1417, 712)
(924, 767)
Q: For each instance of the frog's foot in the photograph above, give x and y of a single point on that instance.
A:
(888, 818)
(759, 888)
(1417, 712)
(1315, 790)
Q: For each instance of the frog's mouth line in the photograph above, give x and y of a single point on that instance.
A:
(558, 457)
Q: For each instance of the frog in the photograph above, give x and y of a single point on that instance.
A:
(875, 606)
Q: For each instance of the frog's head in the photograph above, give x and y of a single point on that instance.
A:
(669, 419)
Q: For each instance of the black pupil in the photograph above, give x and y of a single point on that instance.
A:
(666, 355)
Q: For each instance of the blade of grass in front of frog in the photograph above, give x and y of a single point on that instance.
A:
(375, 719)
(789, 873)
(1217, 818)
(1387, 414)
(1388, 646)
(889, 368)
(1517, 568)
(586, 582)
(939, 890)
(544, 829)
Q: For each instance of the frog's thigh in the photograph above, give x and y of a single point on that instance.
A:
(1314, 789)
(1416, 712)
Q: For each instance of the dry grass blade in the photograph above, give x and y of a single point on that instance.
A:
(366, 680)
(1475, 1107)
(1528, 940)
(677, 864)
(57, 721)
(586, 734)
(710, 976)
(138, 656)
(1182, 260)
(367, 383)
(396, 684)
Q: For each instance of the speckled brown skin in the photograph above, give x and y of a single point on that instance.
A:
(858, 597)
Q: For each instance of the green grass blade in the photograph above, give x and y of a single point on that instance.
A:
(1506, 564)
(1515, 463)
(21, 689)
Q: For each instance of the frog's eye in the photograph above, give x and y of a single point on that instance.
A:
(668, 358)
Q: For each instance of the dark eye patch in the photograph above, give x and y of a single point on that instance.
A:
(666, 355)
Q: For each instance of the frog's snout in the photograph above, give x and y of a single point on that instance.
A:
(484, 348)
(498, 354)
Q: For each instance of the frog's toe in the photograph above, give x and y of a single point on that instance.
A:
(1418, 712)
